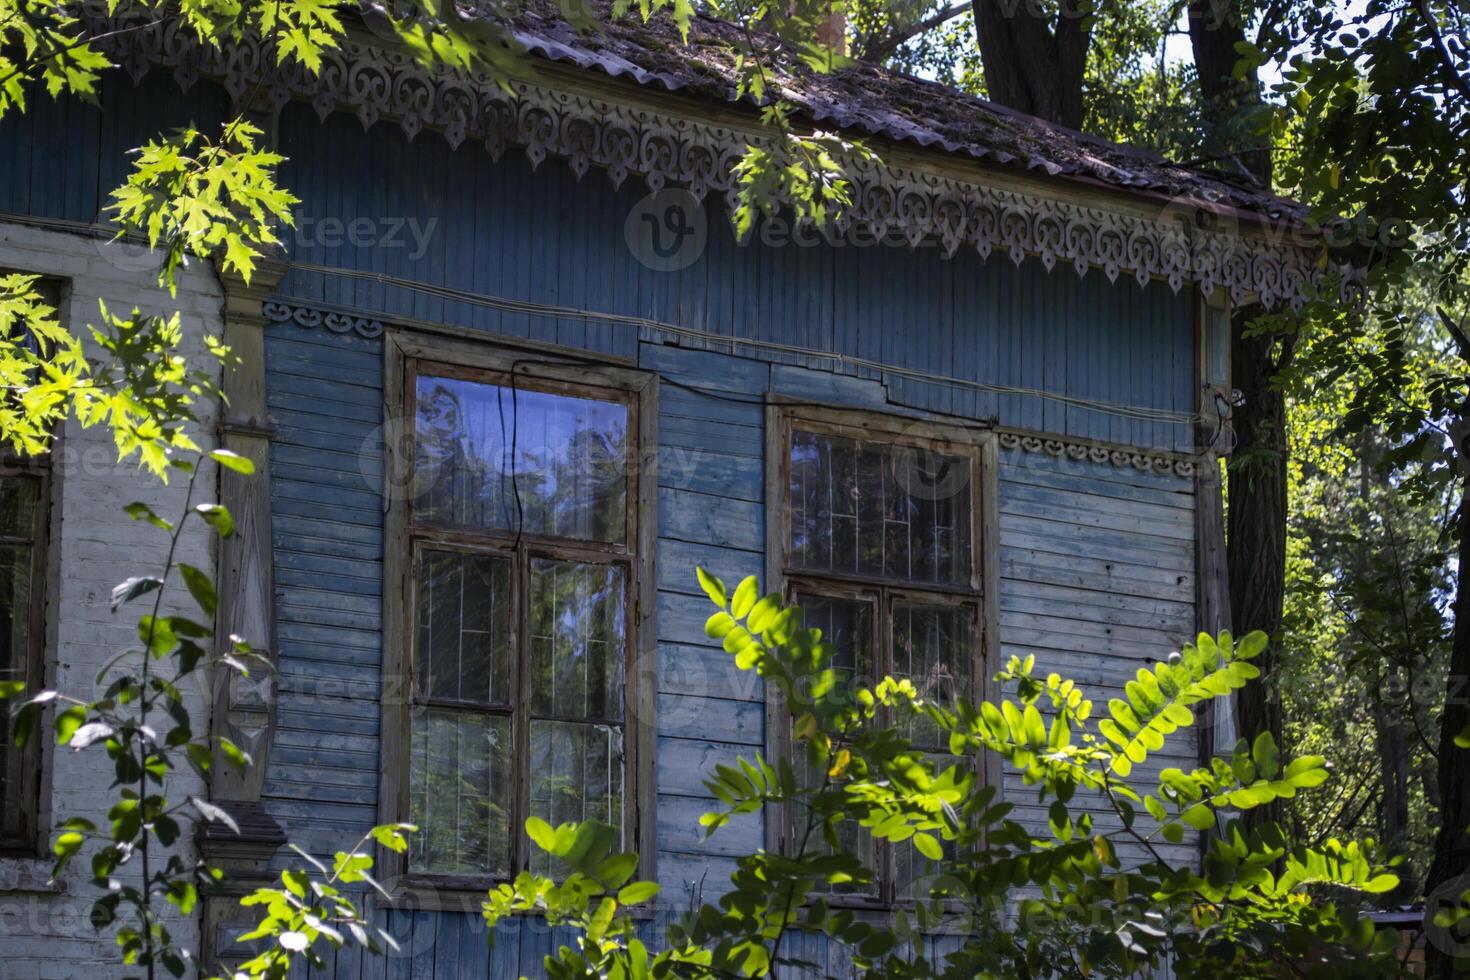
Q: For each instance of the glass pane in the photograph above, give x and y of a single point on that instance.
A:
(15, 647)
(847, 624)
(17, 507)
(933, 646)
(879, 510)
(576, 774)
(463, 627)
(460, 793)
(487, 456)
(578, 632)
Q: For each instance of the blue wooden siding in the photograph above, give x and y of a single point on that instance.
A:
(1096, 578)
(62, 158)
(505, 230)
(1096, 561)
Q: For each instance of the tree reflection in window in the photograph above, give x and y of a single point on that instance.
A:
(521, 636)
(479, 446)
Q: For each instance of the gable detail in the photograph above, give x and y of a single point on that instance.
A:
(665, 149)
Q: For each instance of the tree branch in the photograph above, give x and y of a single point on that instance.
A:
(878, 49)
(1446, 63)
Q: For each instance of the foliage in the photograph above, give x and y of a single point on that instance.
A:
(306, 909)
(597, 887)
(1365, 647)
(141, 721)
(145, 395)
(1086, 905)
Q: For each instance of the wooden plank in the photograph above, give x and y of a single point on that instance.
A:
(1111, 607)
(710, 472)
(688, 716)
(677, 561)
(703, 671)
(1094, 574)
(1152, 529)
(1063, 538)
(703, 519)
(679, 831)
(683, 764)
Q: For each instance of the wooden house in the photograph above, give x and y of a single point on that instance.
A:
(515, 377)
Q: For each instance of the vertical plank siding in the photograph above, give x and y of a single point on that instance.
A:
(1096, 561)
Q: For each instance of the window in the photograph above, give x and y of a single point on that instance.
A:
(24, 497)
(521, 578)
(879, 539)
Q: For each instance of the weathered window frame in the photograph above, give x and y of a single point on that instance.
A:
(956, 437)
(547, 368)
(31, 841)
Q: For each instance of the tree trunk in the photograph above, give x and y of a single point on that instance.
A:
(1214, 31)
(1034, 61)
(1256, 544)
(1256, 538)
(1447, 872)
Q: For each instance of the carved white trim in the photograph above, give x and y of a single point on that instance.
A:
(378, 84)
(309, 317)
(1123, 457)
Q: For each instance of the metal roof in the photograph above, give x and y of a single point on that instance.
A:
(867, 100)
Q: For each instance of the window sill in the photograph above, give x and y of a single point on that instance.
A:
(28, 875)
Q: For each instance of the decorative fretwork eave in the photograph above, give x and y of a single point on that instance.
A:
(1166, 240)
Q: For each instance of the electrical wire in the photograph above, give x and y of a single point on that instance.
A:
(531, 308)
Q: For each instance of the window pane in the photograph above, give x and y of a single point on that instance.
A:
(463, 627)
(15, 647)
(569, 470)
(460, 792)
(933, 646)
(578, 633)
(576, 774)
(17, 507)
(879, 510)
(846, 624)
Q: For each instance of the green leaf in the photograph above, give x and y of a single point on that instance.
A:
(745, 596)
(232, 461)
(218, 517)
(66, 845)
(1266, 756)
(928, 846)
(638, 891)
(713, 587)
(392, 835)
(140, 511)
(201, 587)
(1252, 645)
(130, 589)
(1200, 817)
(542, 834)
(68, 722)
